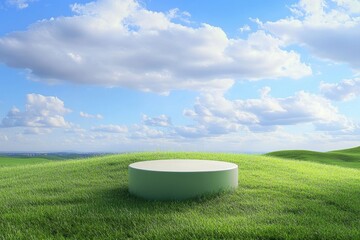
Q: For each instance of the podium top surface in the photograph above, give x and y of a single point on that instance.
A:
(183, 165)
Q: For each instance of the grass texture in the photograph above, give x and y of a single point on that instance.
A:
(89, 199)
(6, 161)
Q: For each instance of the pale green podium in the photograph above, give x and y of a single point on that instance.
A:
(176, 179)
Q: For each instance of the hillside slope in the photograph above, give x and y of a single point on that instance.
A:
(88, 199)
(345, 158)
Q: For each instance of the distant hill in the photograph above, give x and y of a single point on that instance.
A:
(17, 159)
(345, 157)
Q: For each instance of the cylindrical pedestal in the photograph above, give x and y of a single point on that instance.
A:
(181, 179)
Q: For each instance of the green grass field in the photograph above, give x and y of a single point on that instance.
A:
(6, 161)
(345, 158)
(89, 199)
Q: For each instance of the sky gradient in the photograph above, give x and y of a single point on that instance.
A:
(156, 75)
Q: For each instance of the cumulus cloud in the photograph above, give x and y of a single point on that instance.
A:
(120, 43)
(345, 90)
(40, 111)
(110, 128)
(160, 121)
(330, 29)
(87, 115)
(217, 115)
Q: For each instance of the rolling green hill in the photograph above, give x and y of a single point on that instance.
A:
(345, 158)
(89, 199)
(355, 150)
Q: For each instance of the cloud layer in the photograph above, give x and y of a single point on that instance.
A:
(120, 43)
(216, 121)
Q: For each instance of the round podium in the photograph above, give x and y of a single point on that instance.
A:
(176, 179)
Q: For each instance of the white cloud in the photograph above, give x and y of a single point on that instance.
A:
(245, 28)
(146, 132)
(75, 57)
(110, 128)
(175, 13)
(20, 4)
(301, 108)
(40, 111)
(217, 115)
(330, 29)
(343, 91)
(232, 142)
(188, 132)
(160, 121)
(120, 43)
(87, 115)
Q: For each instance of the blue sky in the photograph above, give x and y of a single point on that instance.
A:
(156, 75)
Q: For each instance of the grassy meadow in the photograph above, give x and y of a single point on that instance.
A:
(6, 161)
(89, 199)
